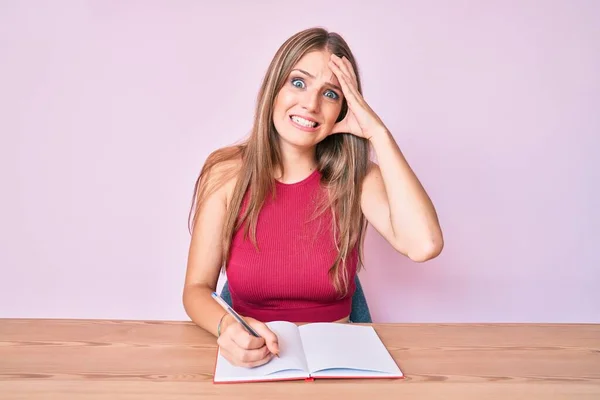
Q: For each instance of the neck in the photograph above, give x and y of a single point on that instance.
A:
(297, 164)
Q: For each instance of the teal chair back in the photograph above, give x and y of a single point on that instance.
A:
(360, 309)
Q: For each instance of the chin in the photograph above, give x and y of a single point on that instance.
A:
(299, 141)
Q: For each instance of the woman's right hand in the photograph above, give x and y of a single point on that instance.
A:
(241, 348)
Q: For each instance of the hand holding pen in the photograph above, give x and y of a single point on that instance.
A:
(245, 341)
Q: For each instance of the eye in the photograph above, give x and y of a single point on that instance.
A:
(299, 83)
(332, 95)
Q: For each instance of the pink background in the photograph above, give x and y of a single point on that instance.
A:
(109, 109)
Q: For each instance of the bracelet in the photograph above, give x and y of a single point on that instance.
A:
(219, 326)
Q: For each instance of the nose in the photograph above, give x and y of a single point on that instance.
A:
(311, 100)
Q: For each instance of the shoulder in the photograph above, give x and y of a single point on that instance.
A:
(372, 186)
(221, 171)
(373, 173)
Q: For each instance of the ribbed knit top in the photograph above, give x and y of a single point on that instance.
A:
(287, 278)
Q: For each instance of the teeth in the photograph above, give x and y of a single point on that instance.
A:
(303, 122)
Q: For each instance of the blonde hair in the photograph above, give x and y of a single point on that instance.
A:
(342, 159)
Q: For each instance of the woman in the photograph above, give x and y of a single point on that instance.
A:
(285, 212)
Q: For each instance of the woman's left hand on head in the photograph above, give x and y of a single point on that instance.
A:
(360, 120)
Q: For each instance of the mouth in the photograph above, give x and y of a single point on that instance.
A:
(304, 123)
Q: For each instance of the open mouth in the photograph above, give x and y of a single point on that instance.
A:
(304, 122)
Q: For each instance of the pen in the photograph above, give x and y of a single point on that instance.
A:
(235, 315)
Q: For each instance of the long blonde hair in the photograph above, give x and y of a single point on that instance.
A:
(342, 159)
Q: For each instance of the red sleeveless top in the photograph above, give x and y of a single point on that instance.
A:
(287, 278)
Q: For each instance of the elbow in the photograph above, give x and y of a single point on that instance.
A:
(427, 250)
(185, 300)
(189, 298)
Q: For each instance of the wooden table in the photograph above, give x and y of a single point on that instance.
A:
(91, 359)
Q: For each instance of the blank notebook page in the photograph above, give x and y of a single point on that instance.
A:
(346, 346)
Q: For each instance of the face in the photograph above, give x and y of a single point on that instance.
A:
(309, 103)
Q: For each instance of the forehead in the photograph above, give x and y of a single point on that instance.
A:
(316, 63)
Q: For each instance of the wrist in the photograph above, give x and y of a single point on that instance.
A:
(224, 323)
(378, 134)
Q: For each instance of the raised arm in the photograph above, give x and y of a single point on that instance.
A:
(395, 203)
(393, 200)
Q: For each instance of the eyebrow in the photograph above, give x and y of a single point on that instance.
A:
(313, 77)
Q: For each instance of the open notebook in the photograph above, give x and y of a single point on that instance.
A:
(317, 350)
